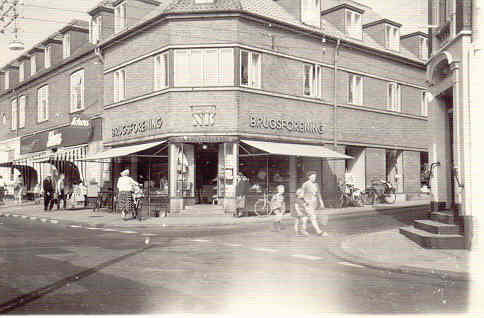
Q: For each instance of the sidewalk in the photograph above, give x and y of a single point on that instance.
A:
(384, 250)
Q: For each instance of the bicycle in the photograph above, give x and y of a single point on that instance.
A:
(381, 191)
(348, 196)
(262, 207)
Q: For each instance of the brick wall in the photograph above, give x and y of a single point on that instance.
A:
(411, 100)
(411, 171)
(375, 164)
(332, 171)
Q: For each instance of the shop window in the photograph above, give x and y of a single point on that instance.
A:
(66, 45)
(77, 91)
(95, 29)
(204, 67)
(312, 80)
(21, 72)
(353, 24)
(119, 85)
(250, 69)
(21, 111)
(161, 71)
(355, 89)
(14, 114)
(394, 100)
(47, 52)
(424, 107)
(311, 12)
(392, 37)
(120, 17)
(43, 103)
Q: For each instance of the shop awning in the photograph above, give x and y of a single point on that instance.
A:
(278, 148)
(122, 151)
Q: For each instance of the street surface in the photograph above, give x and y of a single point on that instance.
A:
(59, 269)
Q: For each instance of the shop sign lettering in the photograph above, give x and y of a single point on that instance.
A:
(77, 122)
(54, 139)
(302, 126)
(137, 127)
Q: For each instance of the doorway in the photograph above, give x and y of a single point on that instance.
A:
(206, 171)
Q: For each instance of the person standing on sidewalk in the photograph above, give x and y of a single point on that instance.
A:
(312, 197)
(2, 190)
(48, 187)
(60, 190)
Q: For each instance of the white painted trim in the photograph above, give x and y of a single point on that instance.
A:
(256, 49)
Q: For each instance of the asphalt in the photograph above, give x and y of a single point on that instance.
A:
(386, 250)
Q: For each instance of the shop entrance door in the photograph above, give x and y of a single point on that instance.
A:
(206, 170)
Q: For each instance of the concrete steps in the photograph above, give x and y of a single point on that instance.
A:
(439, 232)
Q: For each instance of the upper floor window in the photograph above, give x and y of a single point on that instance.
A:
(47, 56)
(312, 80)
(95, 29)
(394, 100)
(392, 37)
(33, 65)
(77, 91)
(204, 67)
(43, 103)
(66, 45)
(353, 25)
(7, 79)
(424, 106)
(14, 114)
(423, 47)
(21, 111)
(119, 85)
(120, 17)
(21, 72)
(161, 71)
(311, 12)
(250, 69)
(355, 89)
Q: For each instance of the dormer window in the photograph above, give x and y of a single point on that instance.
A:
(47, 56)
(311, 12)
(21, 72)
(392, 37)
(33, 65)
(66, 45)
(353, 25)
(95, 29)
(423, 48)
(120, 17)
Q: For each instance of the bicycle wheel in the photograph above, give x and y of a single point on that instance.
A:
(261, 208)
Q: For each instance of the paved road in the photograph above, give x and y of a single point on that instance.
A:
(56, 269)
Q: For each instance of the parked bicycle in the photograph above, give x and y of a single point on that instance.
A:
(381, 191)
(348, 196)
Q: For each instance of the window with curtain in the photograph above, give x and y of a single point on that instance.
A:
(312, 80)
(43, 103)
(424, 107)
(355, 89)
(250, 69)
(21, 111)
(77, 91)
(95, 29)
(47, 56)
(120, 17)
(21, 72)
(311, 12)
(161, 71)
(119, 85)
(394, 97)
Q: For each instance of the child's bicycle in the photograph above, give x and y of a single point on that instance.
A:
(262, 207)
(138, 196)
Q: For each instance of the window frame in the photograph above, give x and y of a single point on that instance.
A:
(352, 83)
(161, 74)
(120, 20)
(311, 12)
(82, 91)
(66, 45)
(40, 90)
(33, 65)
(354, 30)
(21, 110)
(119, 83)
(424, 103)
(95, 24)
(14, 113)
(314, 80)
(7, 79)
(250, 69)
(47, 55)
(423, 47)
(392, 40)
(394, 100)
(21, 71)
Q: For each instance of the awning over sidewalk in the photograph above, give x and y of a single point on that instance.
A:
(122, 151)
(278, 148)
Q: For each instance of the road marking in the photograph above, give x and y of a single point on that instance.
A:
(148, 234)
(261, 249)
(75, 226)
(54, 221)
(310, 257)
(109, 230)
(25, 216)
(200, 240)
(128, 232)
(33, 218)
(43, 220)
(350, 264)
(233, 245)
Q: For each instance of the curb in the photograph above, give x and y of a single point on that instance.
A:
(338, 252)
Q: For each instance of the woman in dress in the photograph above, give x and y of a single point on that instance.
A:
(126, 187)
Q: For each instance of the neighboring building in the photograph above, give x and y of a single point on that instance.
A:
(53, 107)
(453, 79)
(194, 92)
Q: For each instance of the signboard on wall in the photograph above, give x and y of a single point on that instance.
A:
(137, 127)
(281, 123)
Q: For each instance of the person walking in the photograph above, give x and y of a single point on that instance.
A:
(126, 187)
(19, 189)
(278, 206)
(312, 197)
(60, 190)
(48, 188)
(2, 190)
(300, 214)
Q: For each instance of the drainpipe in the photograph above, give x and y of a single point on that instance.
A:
(335, 104)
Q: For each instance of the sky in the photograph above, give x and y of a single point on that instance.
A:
(41, 18)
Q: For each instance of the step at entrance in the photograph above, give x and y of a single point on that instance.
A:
(439, 232)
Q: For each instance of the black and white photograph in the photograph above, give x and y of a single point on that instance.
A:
(282, 158)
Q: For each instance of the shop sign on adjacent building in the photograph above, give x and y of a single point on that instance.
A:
(137, 127)
(301, 126)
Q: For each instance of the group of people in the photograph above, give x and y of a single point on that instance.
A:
(54, 192)
(308, 200)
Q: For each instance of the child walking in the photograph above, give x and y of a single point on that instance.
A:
(278, 206)
(299, 213)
